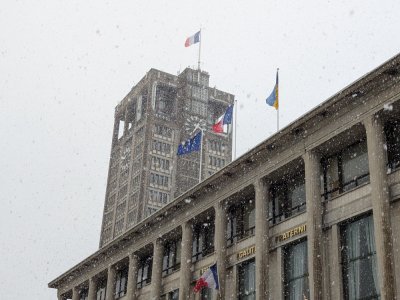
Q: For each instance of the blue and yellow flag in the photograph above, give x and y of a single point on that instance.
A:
(273, 99)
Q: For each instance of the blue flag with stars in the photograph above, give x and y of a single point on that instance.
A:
(190, 145)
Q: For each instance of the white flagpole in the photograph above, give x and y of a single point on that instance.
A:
(234, 157)
(277, 110)
(198, 64)
(201, 153)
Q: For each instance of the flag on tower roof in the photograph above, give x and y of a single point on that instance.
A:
(193, 39)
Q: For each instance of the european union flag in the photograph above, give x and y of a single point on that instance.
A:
(190, 145)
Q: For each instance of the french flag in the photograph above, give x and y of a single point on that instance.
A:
(208, 279)
(193, 39)
(221, 126)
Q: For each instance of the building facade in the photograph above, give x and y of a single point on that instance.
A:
(145, 174)
(313, 212)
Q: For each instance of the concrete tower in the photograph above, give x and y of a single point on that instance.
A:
(145, 173)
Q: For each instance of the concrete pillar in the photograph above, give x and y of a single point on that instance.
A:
(261, 188)
(220, 246)
(314, 222)
(75, 294)
(92, 288)
(132, 277)
(377, 159)
(279, 275)
(186, 261)
(156, 277)
(110, 283)
(335, 272)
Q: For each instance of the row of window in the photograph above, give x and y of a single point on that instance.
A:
(358, 261)
(216, 162)
(200, 93)
(159, 180)
(161, 147)
(159, 197)
(160, 163)
(217, 146)
(163, 130)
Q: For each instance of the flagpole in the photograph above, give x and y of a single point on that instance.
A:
(201, 153)
(234, 157)
(277, 91)
(198, 64)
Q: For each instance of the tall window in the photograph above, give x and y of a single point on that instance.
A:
(165, 99)
(296, 271)
(247, 280)
(139, 108)
(241, 221)
(121, 282)
(84, 294)
(172, 257)
(392, 130)
(101, 289)
(203, 240)
(206, 294)
(144, 272)
(174, 295)
(359, 260)
(288, 198)
(345, 170)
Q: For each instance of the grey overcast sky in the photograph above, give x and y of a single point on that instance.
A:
(64, 65)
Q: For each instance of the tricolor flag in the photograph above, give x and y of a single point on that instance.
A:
(221, 126)
(208, 279)
(190, 145)
(193, 39)
(273, 99)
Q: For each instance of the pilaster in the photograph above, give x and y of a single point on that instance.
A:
(110, 283)
(314, 223)
(377, 159)
(220, 246)
(132, 277)
(156, 277)
(261, 188)
(186, 261)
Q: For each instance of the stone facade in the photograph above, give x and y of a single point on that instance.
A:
(305, 192)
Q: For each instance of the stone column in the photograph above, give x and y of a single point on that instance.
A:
(335, 272)
(314, 222)
(92, 288)
(110, 283)
(261, 188)
(156, 276)
(186, 261)
(75, 293)
(377, 160)
(279, 288)
(220, 246)
(132, 277)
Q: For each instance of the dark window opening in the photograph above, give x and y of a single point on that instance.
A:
(84, 294)
(296, 271)
(203, 240)
(121, 282)
(359, 267)
(101, 289)
(392, 130)
(345, 170)
(288, 198)
(144, 272)
(165, 99)
(247, 280)
(172, 257)
(241, 221)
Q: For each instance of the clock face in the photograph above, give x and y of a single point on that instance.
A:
(193, 124)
